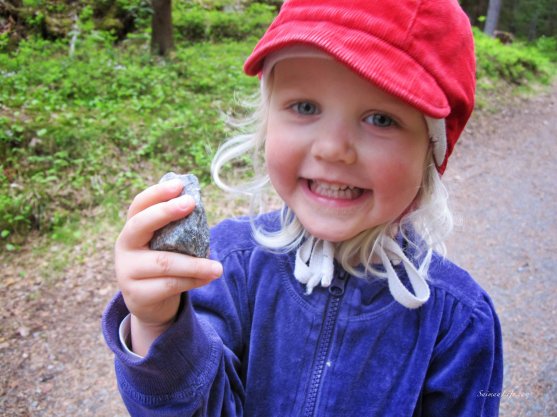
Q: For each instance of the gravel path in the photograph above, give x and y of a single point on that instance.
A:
(502, 180)
(53, 361)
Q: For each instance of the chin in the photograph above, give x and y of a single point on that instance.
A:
(329, 235)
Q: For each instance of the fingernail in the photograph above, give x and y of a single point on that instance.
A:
(184, 202)
(216, 269)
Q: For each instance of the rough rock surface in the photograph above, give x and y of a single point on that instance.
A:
(189, 235)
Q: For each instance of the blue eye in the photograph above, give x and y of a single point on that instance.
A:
(305, 108)
(380, 120)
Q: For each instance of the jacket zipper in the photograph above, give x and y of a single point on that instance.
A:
(336, 291)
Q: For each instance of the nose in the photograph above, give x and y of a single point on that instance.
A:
(335, 143)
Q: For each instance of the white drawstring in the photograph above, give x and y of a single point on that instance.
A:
(417, 276)
(315, 265)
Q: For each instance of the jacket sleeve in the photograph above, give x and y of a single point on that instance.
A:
(194, 368)
(466, 373)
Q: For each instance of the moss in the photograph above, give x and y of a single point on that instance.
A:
(57, 26)
(109, 23)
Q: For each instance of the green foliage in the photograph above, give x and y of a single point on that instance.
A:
(78, 132)
(55, 19)
(195, 23)
(192, 24)
(140, 11)
(548, 47)
(516, 63)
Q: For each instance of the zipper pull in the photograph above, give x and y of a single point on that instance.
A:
(337, 285)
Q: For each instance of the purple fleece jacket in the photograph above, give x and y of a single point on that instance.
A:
(252, 343)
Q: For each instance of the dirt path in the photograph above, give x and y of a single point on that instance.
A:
(503, 183)
(54, 362)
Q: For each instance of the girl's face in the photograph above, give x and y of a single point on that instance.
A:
(344, 155)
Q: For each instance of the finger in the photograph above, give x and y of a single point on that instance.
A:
(155, 194)
(139, 229)
(150, 264)
(151, 291)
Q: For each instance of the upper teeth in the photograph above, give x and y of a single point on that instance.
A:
(340, 191)
(335, 187)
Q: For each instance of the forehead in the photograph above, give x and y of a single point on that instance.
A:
(327, 76)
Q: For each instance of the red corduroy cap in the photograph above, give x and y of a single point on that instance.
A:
(421, 51)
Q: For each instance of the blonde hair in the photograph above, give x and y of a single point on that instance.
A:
(424, 227)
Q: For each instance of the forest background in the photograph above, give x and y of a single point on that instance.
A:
(90, 114)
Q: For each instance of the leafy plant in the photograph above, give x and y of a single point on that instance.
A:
(196, 23)
(516, 63)
(81, 132)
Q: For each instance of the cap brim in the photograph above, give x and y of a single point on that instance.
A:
(388, 67)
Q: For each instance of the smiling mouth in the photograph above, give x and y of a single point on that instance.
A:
(336, 191)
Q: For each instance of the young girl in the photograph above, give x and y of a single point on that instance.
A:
(336, 305)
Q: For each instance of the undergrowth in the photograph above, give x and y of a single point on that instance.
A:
(518, 63)
(82, 132)
(92, 129)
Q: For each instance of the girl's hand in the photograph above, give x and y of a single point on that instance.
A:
(152, 281)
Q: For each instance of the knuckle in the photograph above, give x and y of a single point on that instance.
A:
(172, 285)
(164, 263)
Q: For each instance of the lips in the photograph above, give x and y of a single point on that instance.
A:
(335, 191)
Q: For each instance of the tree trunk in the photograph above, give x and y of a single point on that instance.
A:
(161, 37)
(492, 16)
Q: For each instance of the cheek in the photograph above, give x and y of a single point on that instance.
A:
(397, 176)
(409, 162)
(271, 140)
(282, 147)
(276, 157)
(271, 149)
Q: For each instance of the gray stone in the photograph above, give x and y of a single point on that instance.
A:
(189, 235)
